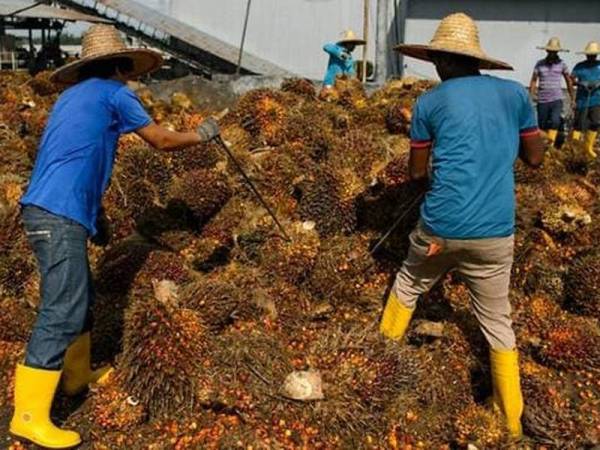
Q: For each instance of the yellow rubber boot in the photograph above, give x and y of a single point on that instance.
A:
(77, 372)
(34, 393)
(507, 388)
(552, 135)
(576, 135)
(590, 142)
(396, 318)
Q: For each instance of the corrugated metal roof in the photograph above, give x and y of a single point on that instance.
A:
(44, 12)
(192, 36)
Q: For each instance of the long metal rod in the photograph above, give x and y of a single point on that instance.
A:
(241, 55)
(396, 223)
(240, 169)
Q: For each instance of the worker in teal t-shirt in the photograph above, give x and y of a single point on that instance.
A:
(587, 109)
(61, 210)
(471, 128)
(340, 58)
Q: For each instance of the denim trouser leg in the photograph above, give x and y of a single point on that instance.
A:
(60, 246)
(549, 115)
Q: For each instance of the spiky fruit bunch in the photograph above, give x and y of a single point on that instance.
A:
(351, 92)
(16, 320)
(583, 284)
(142, 163)
(573, 344)
(437, 390)
(161, 265)
(15, 271)
(341, 270)
(310, 131)
(545, 276)
(113, 409)
(262, 113)
(292, 261)
(361, 375)
(398, 117)
(203, 156)
(548, 414)
(481, 427)
(162, 347)
(42, 86)
(563, 220)
(222, 298)
(202, 193)
(319, 201)
(300, 86)
(361, 151)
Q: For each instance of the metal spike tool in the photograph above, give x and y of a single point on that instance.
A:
(240, 169)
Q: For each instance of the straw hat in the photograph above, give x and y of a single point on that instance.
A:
(104, 42)
(349, 37)
(553, 45)
(593, 48)
(456, 34)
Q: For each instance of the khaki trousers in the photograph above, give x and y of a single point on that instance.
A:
(485, 264)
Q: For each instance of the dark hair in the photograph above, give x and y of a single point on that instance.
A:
(105, 68)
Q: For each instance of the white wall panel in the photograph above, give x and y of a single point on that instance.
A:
(290, 33)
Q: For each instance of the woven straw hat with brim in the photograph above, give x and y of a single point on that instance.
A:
(457, 34)
(350, 37)
(553, 45)
(593, 48)
(102, 42)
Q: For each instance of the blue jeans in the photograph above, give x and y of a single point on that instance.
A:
(67, 293)
(549, 115)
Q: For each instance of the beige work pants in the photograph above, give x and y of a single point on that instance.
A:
(485, 264)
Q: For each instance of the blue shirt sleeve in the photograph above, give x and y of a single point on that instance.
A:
(420, 130)
(527, 117)
(130, 112)
(334, 50)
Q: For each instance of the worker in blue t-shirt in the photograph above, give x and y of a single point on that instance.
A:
(587, 110)
(472, 128)
(340, 58)
(61, 210)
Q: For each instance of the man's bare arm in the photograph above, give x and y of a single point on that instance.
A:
(418, 163)
(166, 140)
(533, 84)
(570, 87)
(531, 149)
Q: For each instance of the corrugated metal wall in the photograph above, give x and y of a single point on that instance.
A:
(290, 33)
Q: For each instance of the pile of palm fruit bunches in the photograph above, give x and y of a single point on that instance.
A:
(224, 334)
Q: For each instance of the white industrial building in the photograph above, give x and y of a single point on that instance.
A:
(291, 33)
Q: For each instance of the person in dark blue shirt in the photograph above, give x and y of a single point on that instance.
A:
(61, 209)
(471, 128)
(341, 61)
(587, 109)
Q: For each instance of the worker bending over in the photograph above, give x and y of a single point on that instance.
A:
(341, 61)
(60, 211)
(546, 85)
(587, 110)
(472, 127)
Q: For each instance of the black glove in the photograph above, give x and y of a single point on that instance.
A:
(345, 55)
(103, 230)
(208, 129)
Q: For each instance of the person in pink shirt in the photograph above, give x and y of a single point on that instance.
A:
(546, 84)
